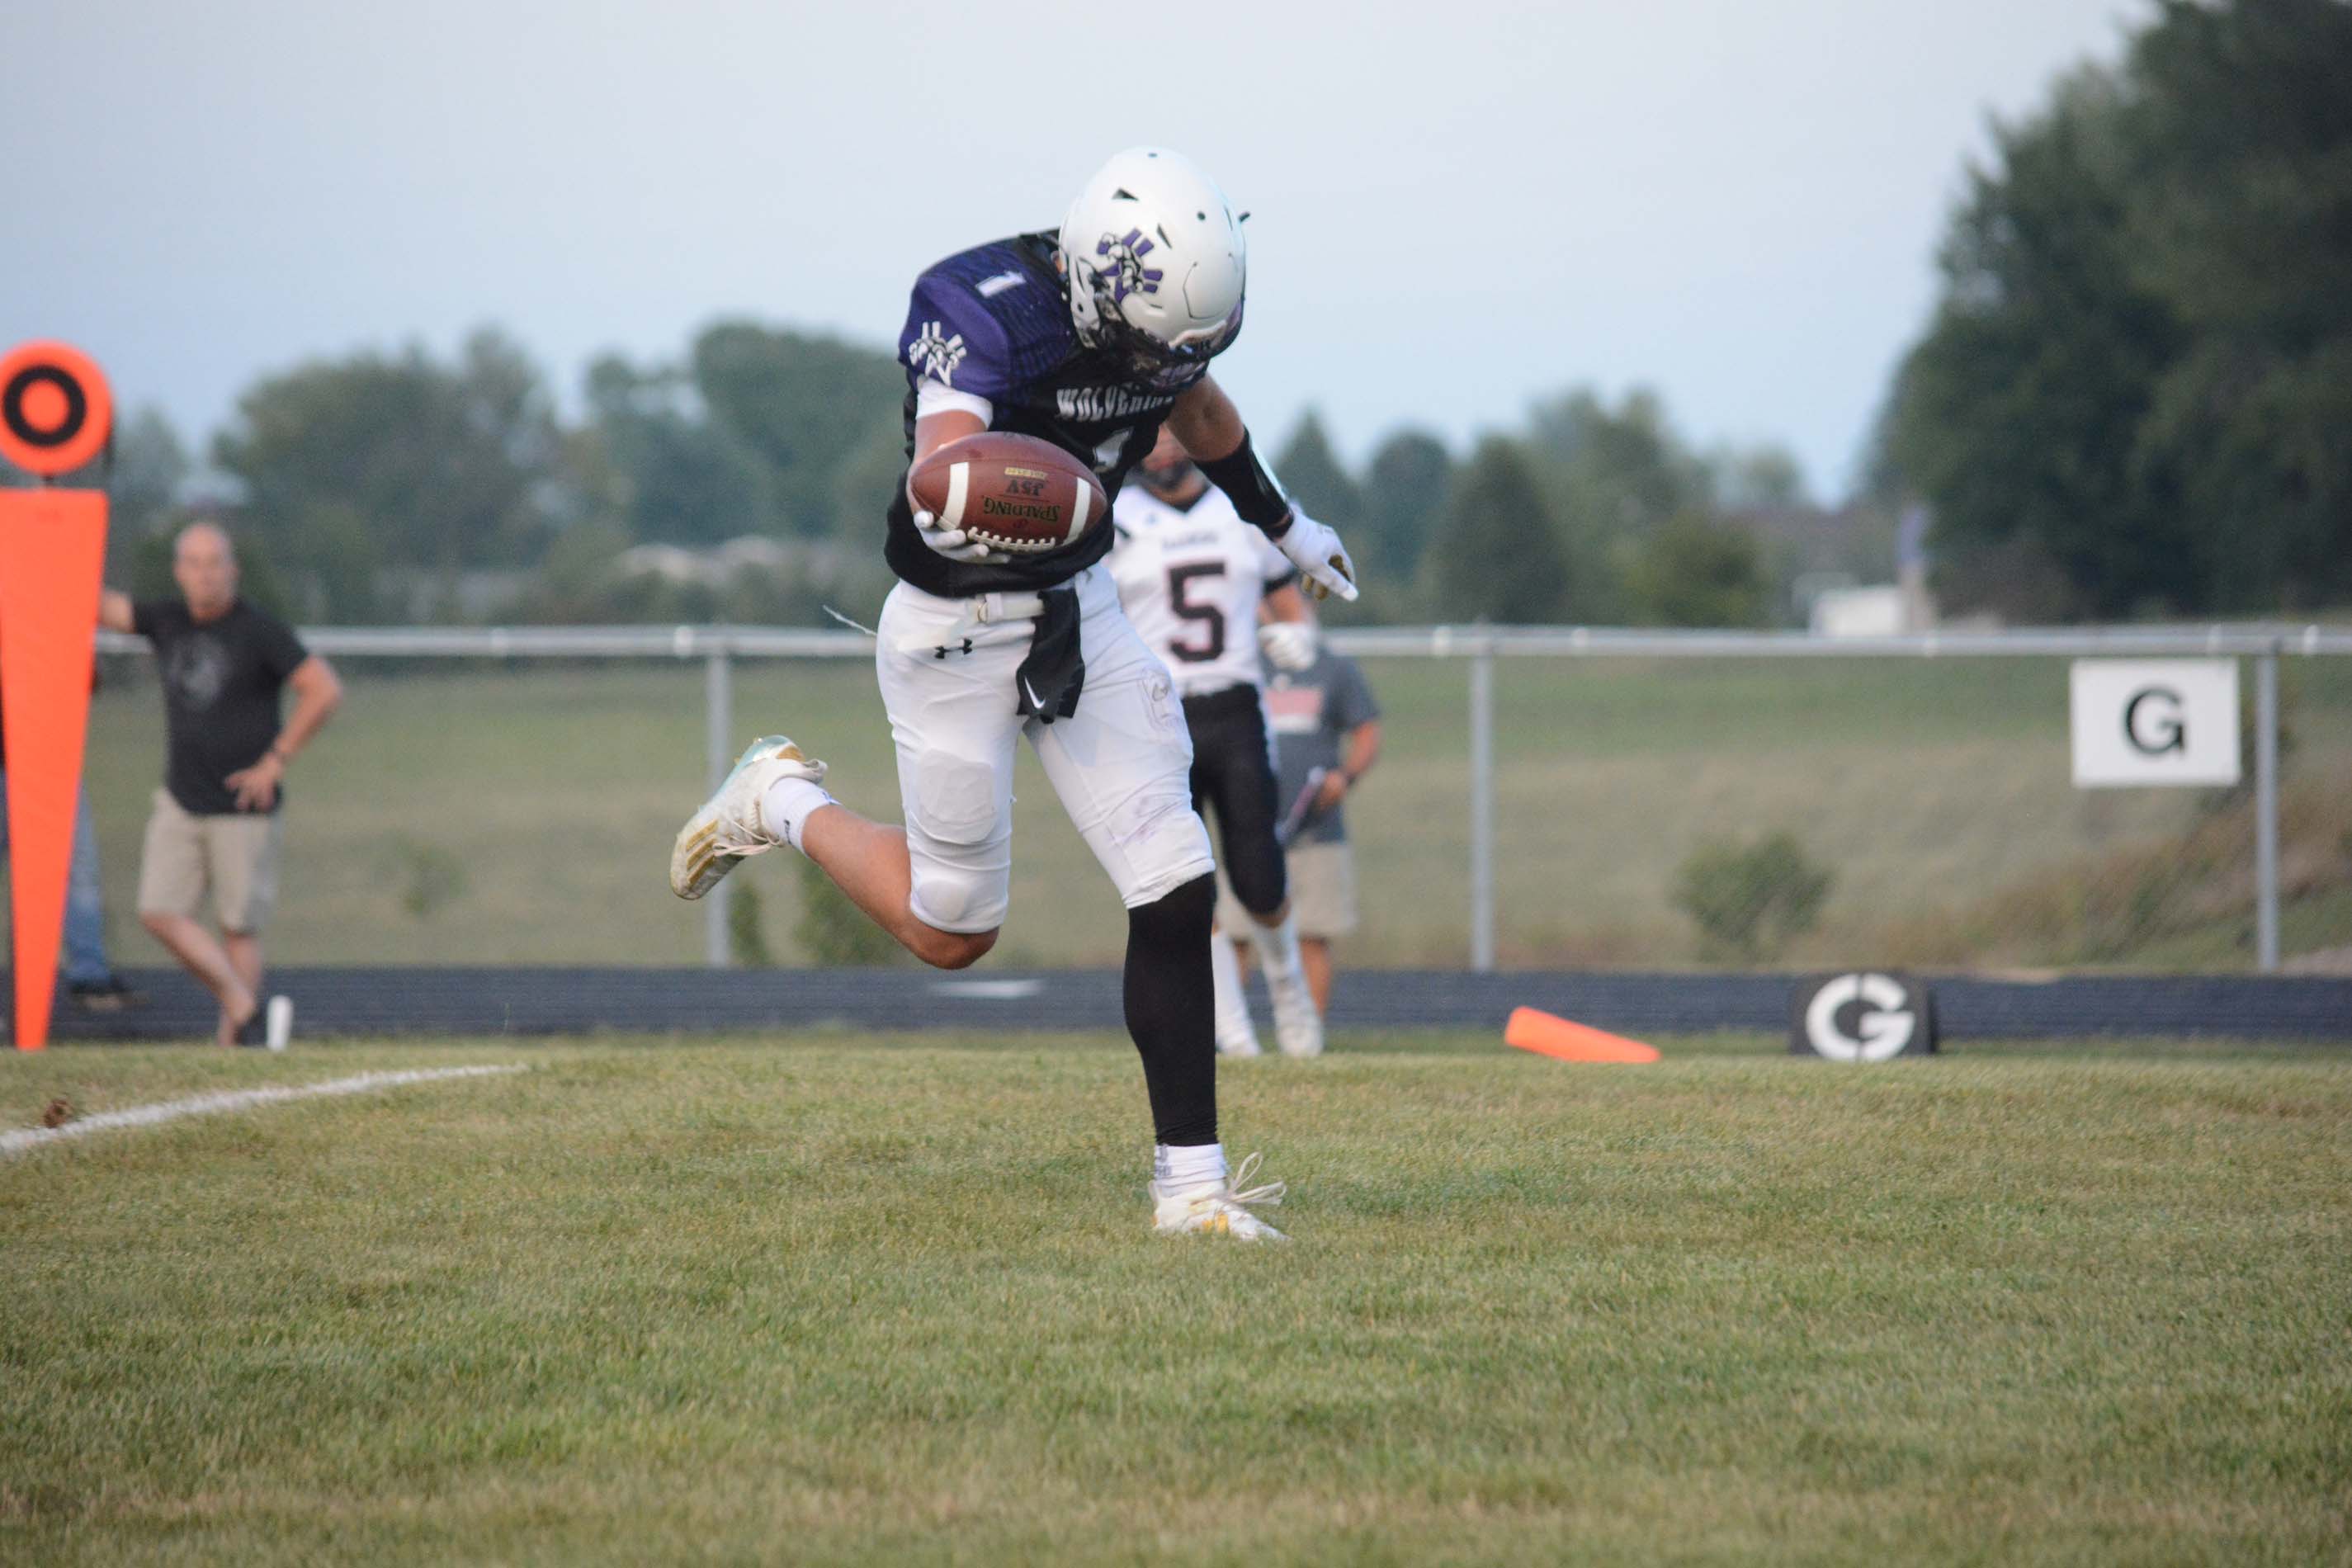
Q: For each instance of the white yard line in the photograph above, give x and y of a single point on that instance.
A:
(233, 1099)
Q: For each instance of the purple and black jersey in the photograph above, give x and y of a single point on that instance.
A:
(993, 322)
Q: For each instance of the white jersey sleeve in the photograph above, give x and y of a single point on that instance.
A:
(1190, 579)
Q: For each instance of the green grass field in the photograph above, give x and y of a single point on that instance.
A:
(891, 1300)
(466, 815)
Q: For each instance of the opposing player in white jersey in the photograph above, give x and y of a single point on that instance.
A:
(1194, 577)
(1091, 338)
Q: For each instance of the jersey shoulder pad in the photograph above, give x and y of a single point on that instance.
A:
(987, 322)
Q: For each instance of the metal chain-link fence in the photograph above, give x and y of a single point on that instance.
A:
(1546, 799)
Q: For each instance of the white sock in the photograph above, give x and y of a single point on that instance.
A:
(1177, 1166)
(1233, 1004)
(1277, 950)
(787, 804)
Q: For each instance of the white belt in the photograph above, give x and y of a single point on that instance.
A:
(1005, 610)
(985, 608)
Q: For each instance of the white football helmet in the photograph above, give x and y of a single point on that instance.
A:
(1156, 262)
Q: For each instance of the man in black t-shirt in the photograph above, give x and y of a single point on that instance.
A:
(215, 828)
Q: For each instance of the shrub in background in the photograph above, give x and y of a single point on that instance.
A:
(1749, 900)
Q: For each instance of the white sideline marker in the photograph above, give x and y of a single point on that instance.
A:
(235, 1100)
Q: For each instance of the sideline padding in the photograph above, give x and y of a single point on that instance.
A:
(235, 1100)
(539, 1001)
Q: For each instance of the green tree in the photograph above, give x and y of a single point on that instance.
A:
(1616, 471)
(2016, 413)
(1498, 557)
(1405, 489)
(863, 484)
(1698, 572)
(685, 480)
(801, 404)
(1313, 475)
(413, 462)
(2239, 121)
(142, 486)
(2140, 370)
(1755, 477)
(1613, 475)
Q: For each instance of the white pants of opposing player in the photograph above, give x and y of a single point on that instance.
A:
(1122, 764)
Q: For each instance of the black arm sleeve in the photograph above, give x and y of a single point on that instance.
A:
(1251, 489)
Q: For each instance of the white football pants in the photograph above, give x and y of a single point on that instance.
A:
(1122, 764)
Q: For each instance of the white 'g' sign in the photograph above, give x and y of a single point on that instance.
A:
(1865, 1016)
(2155, 721)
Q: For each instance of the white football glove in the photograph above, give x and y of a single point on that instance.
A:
(1288, 645)
(952, 543)
(1321, 559)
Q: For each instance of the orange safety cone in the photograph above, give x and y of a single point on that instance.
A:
(54, 417)
(1561, 1040)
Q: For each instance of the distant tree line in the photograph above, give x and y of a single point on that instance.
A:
(2135, 397)
(359, 484)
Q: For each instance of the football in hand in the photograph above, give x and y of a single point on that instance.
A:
(1015, 494)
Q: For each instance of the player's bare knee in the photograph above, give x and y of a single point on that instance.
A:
(949, 948)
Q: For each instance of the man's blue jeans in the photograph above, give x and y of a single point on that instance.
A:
(84, 961)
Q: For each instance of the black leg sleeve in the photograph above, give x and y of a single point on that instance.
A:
(1232, 772)
(1171, 1012)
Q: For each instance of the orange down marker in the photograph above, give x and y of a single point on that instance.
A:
(1562, 1041)
(55, 418)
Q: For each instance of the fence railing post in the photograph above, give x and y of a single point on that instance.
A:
(719, 739)
(1482, 806)
(2266, 811)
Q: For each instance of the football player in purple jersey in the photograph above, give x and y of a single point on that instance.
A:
(1093, 338)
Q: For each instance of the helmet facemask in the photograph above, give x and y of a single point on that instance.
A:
(1095, 292)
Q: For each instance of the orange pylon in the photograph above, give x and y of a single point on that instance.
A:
(1561, 1040)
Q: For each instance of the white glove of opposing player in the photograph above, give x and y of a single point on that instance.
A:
(1290, 645)
(952, 543)
(1321, 559)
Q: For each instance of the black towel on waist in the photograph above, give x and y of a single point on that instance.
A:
(1055, 670)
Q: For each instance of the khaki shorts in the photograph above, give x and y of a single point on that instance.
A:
(1322, 891)
(235, 858)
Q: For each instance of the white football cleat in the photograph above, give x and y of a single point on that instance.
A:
(728, 830)
(1239, 1045)
(1216, 1208)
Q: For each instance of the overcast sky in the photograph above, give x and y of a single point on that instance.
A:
(1458, 207)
